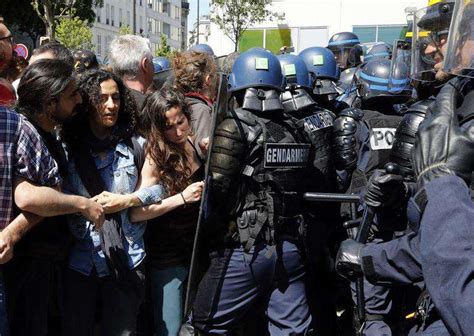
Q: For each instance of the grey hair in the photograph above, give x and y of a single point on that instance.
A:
(126, 53)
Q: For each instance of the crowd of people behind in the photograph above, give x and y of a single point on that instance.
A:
(95, 152)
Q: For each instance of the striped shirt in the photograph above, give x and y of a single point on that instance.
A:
(22, 153)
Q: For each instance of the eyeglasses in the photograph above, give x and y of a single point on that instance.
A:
(9, 37)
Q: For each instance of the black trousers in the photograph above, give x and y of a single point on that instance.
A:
(117, 303)
(33, 296)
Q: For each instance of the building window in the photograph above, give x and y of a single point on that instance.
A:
(271, 39)
(150, 3)
(140, 23)
(149, 25)
(128, 18)
(167, 29)
(379, 33)
(98, 11)
(107, 14)
(175, 33)
(141, 3)
(112, 15)
(120, 17)
(99, 45)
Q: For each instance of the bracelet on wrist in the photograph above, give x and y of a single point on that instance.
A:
(184, 200)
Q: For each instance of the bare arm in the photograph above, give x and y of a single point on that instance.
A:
(191, 194)
(48, 202)
(14, 232)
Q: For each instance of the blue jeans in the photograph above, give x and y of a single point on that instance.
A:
(167, 292)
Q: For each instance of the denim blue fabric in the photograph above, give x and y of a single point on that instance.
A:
(120, 175)
(167, 293)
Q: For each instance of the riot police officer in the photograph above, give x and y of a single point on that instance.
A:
(315, 123)
(399, 261)
(363, 140)
(259, 164)
(341, 44)
(325, 73)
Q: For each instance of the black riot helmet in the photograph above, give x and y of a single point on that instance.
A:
(381, 84)
(364, 52)
(341, 44)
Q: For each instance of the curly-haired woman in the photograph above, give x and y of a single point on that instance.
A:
(171, 160)
(105, 266)
(196, 77)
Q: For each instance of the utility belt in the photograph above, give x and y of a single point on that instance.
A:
(254, 227)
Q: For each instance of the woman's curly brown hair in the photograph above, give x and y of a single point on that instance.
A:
(77, 127)
(191, 69)
(172, 167)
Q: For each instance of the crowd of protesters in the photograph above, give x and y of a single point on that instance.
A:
(101, 176)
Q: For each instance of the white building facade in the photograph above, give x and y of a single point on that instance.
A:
(148, 18)
(204, 31)
(312, 22)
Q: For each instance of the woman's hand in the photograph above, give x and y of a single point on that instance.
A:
(113, 202)
(204, 145)
(193, 192)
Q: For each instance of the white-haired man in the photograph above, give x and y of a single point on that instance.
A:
(132, 60)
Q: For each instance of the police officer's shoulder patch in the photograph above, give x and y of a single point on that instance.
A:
(382, 138)
(286, 155)
(318, 121)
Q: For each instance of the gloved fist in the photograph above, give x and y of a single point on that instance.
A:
(348, 260)
(441, 146)
(385, 190)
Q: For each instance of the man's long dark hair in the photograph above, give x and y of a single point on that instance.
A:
(77, 129)
(41, 83)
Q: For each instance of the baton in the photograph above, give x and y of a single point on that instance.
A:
(331, 197)
(362, 236)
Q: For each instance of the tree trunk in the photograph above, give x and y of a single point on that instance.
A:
(50, 22)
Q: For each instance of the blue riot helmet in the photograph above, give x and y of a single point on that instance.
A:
(256, 81)
(381, 84)
(256, 68)
(321, 63)
(341, 44)
(163, 62)
(157, 67)
(299, 84)
(295, 71)
(202, 48)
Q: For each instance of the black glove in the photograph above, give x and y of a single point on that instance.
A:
(385, 190)
(348, 261)
(441, 146)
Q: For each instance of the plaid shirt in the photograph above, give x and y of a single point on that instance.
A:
(22, 153)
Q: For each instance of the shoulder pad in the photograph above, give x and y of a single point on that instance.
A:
(355, 113)
(421, 107)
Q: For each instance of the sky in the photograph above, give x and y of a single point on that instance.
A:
(203, 9)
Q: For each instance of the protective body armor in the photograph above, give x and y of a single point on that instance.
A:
(362, 142)
(264, 162)
(315, 124)
(405, 136)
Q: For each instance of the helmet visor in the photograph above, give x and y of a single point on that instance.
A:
(341, 54)
(399, 80)
(428, 45)
(460, 54)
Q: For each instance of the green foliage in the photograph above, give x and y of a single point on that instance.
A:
(74, 33)
(125, 29)
(164, 49)
(234, 17)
